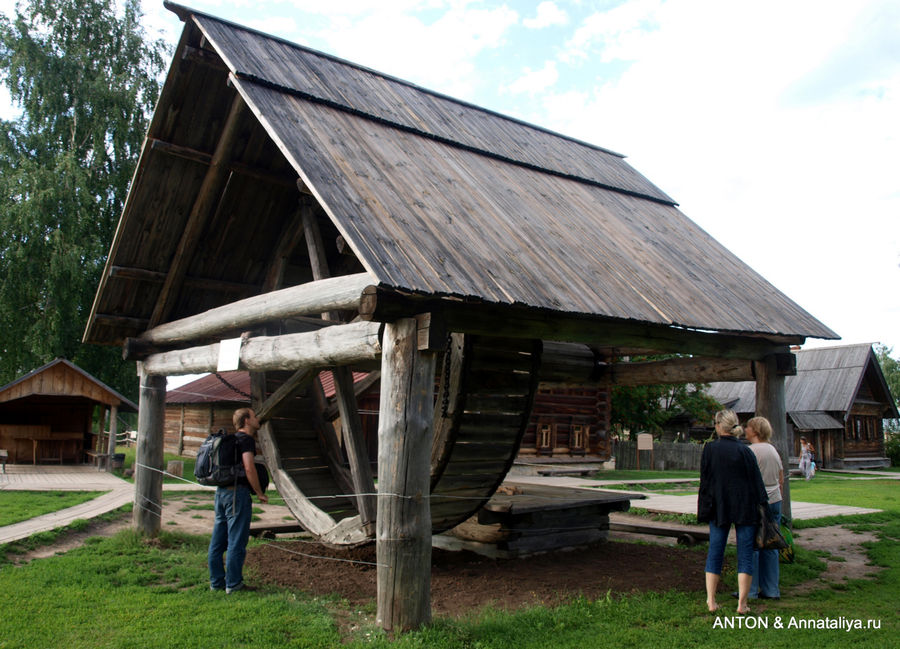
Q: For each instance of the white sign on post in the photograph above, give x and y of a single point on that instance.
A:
(229, 354)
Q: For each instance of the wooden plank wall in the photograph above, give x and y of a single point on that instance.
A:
(58, 380)
(187, 425)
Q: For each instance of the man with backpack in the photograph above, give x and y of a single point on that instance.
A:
(233, 505)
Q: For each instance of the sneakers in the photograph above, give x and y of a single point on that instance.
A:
(242, 586)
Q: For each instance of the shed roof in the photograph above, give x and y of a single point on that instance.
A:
(828, 379)
(62, 378)
(433, 195)
(233, 387)
(228, 387)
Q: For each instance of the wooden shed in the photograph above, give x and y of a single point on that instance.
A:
(196, 409)
(46, 415)
(837, 400)
(334, 217)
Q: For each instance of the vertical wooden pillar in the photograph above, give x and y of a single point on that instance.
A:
(147, 481)
(403, 527)
(113, 431)
(771, 405)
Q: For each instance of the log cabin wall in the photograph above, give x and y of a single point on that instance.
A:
(187, 425)
(568, 422)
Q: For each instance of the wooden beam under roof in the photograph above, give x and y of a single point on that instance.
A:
(384, 305)
(201, 157)
(204, 205)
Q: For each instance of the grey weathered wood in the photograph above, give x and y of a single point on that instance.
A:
(354, 442)
(351, 423)
(576, 364)
(337, 345)
(360, 387)
(288, 389)
(205, 203)
(404, 447)
(675, 370)
(113, 431)
(770, 403)
(305, 299)
(514, 322)
(148, 481)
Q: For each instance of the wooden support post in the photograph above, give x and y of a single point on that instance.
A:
(355, 445)
(403, 531)
(113, 431)
(147, 481)
(770, 404)
(351, 423)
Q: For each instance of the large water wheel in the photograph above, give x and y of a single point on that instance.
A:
(483, 396)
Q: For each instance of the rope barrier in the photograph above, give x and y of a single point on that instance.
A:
(313, 556)
(433, 496)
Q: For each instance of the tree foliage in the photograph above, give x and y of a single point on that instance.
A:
(890, 367)
(647, 408)
(85, 79)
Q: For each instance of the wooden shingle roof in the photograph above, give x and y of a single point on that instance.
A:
(61, 378)
(828, 379)
(434, 196)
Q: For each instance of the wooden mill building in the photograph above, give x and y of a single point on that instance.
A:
(837, 400)
(47, 414)
(323, 215)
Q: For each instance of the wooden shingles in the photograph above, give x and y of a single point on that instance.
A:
(433, 195)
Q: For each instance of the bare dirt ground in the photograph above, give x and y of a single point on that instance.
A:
(464, 581)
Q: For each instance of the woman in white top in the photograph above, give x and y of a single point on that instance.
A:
(807, 452)
(765, 562)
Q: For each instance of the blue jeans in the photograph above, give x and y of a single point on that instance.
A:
(230, 534)
(718, 536)
(765, 565)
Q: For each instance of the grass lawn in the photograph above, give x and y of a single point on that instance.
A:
(127, 592)
(18, 506)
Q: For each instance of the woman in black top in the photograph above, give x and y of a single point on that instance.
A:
(731, 490)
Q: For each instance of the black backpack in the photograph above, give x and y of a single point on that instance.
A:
(218, 463)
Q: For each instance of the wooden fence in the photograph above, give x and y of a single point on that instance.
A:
(684, 456)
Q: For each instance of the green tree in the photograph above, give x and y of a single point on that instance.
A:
(890, 367)
(85, 79)
(647, 408)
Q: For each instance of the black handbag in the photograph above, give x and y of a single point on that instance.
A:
(768, 535)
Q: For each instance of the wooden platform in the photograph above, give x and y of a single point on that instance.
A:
(526, 519)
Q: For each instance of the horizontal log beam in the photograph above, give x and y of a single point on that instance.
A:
(676, 370)
(576, 364)
(314, 297)
(521, 322)
(143, 275)
(332, 346)
(203, 158)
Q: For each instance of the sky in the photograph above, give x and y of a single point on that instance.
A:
(774, 124)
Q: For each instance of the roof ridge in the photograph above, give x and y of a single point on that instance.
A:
(330, 103)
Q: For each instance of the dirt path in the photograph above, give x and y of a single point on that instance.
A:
(843, 553)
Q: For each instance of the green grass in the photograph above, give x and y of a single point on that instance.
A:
(836, 490)
(132, 593)
(18, 506)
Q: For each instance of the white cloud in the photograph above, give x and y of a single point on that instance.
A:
(533, 82)
(548, 15)
(439, 54)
